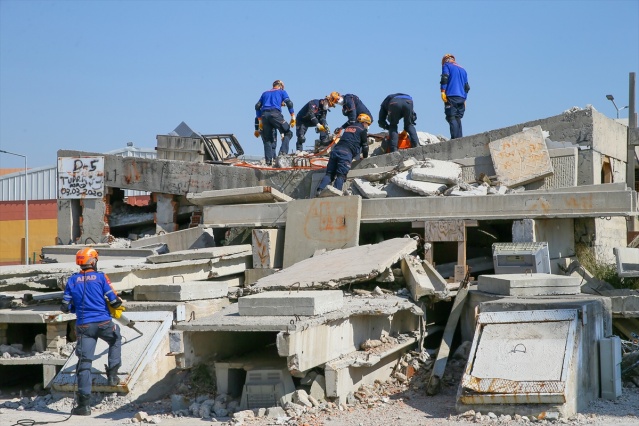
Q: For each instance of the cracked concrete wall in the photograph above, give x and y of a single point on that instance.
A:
(602, 234)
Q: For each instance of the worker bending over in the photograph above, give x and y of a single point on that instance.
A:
(268, 111)
(352, 106)
(395, 107)
(353, 140)
(313, 114)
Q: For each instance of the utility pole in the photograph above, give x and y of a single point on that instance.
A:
(632, 125)
(26, 206)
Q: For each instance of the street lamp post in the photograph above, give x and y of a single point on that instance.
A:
(26, 207)
(612, 99)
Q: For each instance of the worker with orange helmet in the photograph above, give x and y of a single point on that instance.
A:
(91, 297)
(454, 90)
(352, 107)
(313, 114)
(353, 141)
(394, 108)
(268, 111)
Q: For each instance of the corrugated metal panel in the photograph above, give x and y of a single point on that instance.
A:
(43, 181)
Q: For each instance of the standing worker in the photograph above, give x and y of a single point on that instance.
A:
(353, 140)
(313, 114)
(268, 111)
(352, 107)
(455, 88)
(91, 297)
(396, 107)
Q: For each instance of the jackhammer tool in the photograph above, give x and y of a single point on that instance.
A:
(124, 321)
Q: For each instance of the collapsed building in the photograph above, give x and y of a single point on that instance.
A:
(278, 291)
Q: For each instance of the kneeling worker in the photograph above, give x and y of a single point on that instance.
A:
(91, 297)
(354, 139)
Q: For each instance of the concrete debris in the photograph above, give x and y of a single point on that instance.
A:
(423, 280)
(192, 238)
(405, 180)
(437, 171)
(367, 190)
(330, 191)
(203, 253)
(529, 284)
(254, 194)
(274, 303)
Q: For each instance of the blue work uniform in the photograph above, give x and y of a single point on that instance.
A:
(396, 107)
(352, 107)
(269, 110)
(311, 114)
(353, 140)
(454, 82)
(86, 295)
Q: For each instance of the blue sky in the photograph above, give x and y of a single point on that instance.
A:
(94, 75)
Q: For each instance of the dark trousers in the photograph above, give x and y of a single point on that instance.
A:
(88, 335)
(273, 119)
(300, 132)
(339, 164)
(454, 110)
(398, 109)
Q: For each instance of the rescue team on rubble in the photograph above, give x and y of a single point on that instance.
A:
(395, 107)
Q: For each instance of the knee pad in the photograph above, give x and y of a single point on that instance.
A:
(288, 134)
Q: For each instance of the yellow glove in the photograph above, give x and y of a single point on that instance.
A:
(321, 128)
(444, 98)
(257, 133)
(293, 120)
(116, 312)
(261, 126)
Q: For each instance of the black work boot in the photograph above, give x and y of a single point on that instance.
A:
(84, 407)
(112, 375)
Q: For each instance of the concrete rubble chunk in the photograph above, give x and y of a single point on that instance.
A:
(437, 171)
(405, 180)
(291, 303)
(625, 302)
(330, 191)
(407, 164)
(338, 267)
(249, 195)
(373, 174)
(183, 291)
(276, 413)
(627, 259)
(423, 280)
(185, 239)
(202, 253)
(318, 388)
(534, 284)
(521, 158)
(367, 190)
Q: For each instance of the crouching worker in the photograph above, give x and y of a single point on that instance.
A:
(354, 139)
(91, 297)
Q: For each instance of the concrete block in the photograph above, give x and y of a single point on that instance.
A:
(367, 190)
(178, 292)
(393, 190)
(437, 171)
(406, 181)
(201, 253)
(254, 194)
(191, 238)
(373, 174)
(521, 158)
(268, 248)
(176, 341)
(627, 260)
(252, 275)
(610, 358)
(166, 212)
(288, 303)
(423, 280)
(330, 191)
(325, 223)
(529, 284)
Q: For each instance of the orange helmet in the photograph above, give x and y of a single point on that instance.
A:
(278, 83)
(86, 257)
(364, 118)
(447, 57)
(333, 98)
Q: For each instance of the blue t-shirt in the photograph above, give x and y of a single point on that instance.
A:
(457, 80)
(272, 99)
(85, 293)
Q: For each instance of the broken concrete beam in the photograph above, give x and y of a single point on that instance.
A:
(521, 158)
(393, 191)
(35, 315)
(534, 284)
(437, 171)
(627, 260)
(286, 303)
(191, 238)
(184, 291)
(367, 190)
(625, 302)
(423, 280)
(325, 223)
(254, 194)
(268, 248)
(406, 181)
(341, 266)
(202, 253)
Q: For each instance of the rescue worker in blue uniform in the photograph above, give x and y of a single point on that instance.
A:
(91, 297)
(353, 141)
(352, 107)
(313, 114)
(269, 115)
(454, 87)
(396, 107)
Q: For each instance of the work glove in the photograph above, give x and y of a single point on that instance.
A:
(383, 125)
(257, 133)
(116, 312)
(444, 98)
(338, 131)
(293, 122)
(260, 126)
(320, 127)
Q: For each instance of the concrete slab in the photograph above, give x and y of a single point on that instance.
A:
(66, 253)
(625, 302)
(627, 260)
(286, 303)
(34, 315)
(521, 158)
(252, 275)
(183, 291)
(254, 194)
(437, 171)
(342, 266)
(373, 174)
(201, 253)
(423, 280)
(191, 238)
(393, 190)
(367, 190)
(529, 284)
(326, 223)
(268, 248)
(406, 181)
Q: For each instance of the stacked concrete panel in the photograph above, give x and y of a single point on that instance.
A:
(275, 303)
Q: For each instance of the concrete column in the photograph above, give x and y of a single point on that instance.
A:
(93, 223)
(166, 213)
(48, 374)
(56, 336)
